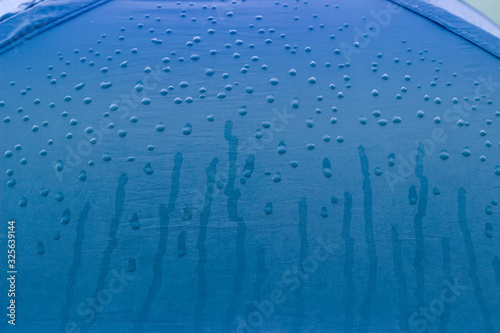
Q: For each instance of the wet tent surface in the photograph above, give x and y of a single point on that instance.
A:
(255, 166)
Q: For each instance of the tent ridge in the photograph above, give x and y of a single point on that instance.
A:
(460, 19)
(40, 17)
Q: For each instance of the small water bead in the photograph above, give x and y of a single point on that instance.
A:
(243, 111)
(281, 148)
(44, 192)
(80, 86)
(444, 155)
(277, 177)
(466, 151)
(23, 202)
(59, 197)
(187, 129)
(160, 127)
(82, 176)
(268, 209)
(273, 81)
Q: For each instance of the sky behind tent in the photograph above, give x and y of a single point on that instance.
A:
(490, 9)
(9, 6)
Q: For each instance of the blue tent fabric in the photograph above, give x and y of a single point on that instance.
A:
(251, 166)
